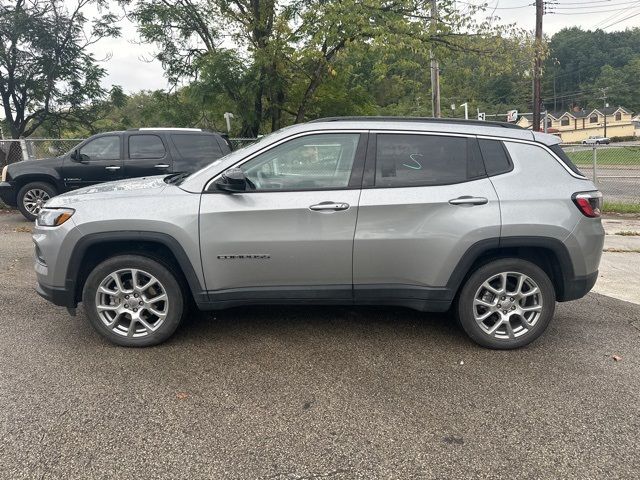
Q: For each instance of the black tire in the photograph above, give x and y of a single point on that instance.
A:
(489, 270)
(175, 308)
(49, 189)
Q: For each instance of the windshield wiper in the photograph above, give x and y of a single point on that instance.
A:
(176, 178)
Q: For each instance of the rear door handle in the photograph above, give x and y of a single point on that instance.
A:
(329, 206)
(468, 200)
(112, 168)
(161, 165)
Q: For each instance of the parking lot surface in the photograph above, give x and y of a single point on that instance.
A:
(312, 393)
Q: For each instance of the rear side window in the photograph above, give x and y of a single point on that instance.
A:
(562, 155)
(197, 147)
(495, 156)
(405, 160)
(146, 146)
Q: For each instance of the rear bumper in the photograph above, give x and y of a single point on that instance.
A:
(8, 194)
(62, 297)
(578, 287)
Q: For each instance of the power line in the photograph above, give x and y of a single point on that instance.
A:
(593, 6)
(591, 12)
(622, 20)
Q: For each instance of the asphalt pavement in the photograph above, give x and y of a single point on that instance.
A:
(312, 393)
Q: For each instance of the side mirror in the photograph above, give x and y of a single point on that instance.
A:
(76, 156)
(232, 181)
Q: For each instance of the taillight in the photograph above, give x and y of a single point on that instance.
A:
(589, 203)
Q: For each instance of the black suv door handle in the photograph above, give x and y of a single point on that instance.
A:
(112, 168)
(329, 206)
(468, 200)
(161, 165)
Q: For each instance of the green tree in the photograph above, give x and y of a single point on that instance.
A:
(46, 71)
(285, 53)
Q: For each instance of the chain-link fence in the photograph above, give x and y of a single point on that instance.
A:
(614, 168)
(237, 143)
(12, 151)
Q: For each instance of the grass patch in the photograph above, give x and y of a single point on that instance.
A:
(606, 156)
(618, 207)
(628, 233)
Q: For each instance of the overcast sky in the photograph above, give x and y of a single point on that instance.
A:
(127, 66)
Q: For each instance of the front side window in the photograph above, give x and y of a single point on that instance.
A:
(565, 121)
(405, 160)
(593, 118)
(313, 162)
(146, 146)
(618, 117)
(103, 148)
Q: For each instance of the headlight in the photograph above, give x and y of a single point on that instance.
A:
(4, 173)
(53, 217)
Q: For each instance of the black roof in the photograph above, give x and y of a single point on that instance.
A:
(460, 121)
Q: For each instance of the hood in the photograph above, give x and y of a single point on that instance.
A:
(143, 186)
(18, 167)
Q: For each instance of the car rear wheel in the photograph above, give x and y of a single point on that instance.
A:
(506, 304)
(133, 301)
(32, 197)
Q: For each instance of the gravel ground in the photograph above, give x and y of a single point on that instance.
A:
(313, 393)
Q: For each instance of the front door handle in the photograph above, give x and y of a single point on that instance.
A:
(161, 165)
(468, 200)
(329, 206)
(112, 168)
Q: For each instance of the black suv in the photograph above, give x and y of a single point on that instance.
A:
(106, 157)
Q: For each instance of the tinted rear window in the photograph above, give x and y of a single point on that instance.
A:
(405, 160)
(197, 147)
(496, 159)
(562, 155)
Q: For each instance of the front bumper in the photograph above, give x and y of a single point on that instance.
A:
(8, 194)
(63, 297)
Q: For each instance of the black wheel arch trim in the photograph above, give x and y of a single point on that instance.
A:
(82, 246)
(566, 288)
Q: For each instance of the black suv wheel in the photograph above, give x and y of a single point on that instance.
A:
(133, 301)
(32, 197)
(506, 304)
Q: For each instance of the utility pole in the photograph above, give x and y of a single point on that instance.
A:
(537, 90)
(604, 110)
(435, 69)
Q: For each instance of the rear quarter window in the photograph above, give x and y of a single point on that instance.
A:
(197, 146)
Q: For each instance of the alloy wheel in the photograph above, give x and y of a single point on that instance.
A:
(132, 302)
(507, 305)
(34, 200)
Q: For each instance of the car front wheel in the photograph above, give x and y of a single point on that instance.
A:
(133, 301)
(32, 197)
(506, 304)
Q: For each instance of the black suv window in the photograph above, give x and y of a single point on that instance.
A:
(406, 160)
(197, 147)
(102, 148)
(146, 146)
(495, 156)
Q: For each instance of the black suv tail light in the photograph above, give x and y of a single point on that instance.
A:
(589, 203)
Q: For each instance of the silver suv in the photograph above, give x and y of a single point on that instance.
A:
(490, 222)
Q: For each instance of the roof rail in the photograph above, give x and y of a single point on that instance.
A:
(143, 129)
(418, 119)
